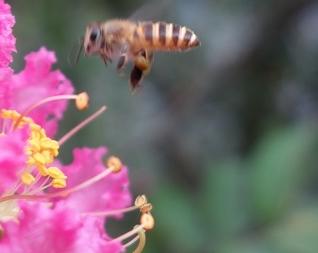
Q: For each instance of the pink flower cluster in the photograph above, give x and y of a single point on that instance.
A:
(7, 40)
(58, 225)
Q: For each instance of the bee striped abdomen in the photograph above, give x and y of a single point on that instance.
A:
(166, 37)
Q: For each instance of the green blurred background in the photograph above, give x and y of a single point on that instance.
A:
(222, 139)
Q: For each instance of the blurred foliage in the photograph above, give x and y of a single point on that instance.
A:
(223, 139)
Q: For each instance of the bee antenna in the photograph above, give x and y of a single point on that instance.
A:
(80, 50)
(74, 57)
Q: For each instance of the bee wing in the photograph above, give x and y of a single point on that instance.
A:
(153, 10)
(76, 52)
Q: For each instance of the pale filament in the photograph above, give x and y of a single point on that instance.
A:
(130, 233)
(142, 242)
(81, 125)
(141, 236)
(83, 185)
(61, 193)
(5, 126)
(128, 244)
(42, 186)
(112, 212)
(41, 102)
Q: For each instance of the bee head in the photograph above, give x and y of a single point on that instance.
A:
(92, 39)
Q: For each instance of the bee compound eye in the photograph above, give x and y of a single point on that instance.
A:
(94, 35)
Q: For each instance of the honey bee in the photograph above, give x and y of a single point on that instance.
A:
(134, 41)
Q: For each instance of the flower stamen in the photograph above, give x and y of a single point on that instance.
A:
(142, 242)
(112, 212)
(40, 152)
(82, 185)
(27, 178)
(141, 203)
(85, 122)
(147, 223)
(128, 234)
(131, 242)
(114, 163)
(140, 230)
(81, 101)
(57, 183)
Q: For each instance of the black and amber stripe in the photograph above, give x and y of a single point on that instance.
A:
(165, 36)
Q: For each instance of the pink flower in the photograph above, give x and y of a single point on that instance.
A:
(43, 229)
(36, 82)
(7, 40)
(107, 194)
(68, 220)
(12, 157)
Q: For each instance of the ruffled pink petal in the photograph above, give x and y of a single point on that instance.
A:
(36, 82)
(12, 157)
(54, 230)
(110, 193)
(5, 77)
(7, 40)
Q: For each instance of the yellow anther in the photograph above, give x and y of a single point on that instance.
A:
(141, 200)
(55, 152)
(82, 101)
(147, 221)
(28, 151)
(35, 127)
(34, 145)
(27, 178)
(40, 149)
(43, 170)
(6, 114)
(54, 144)
(39, 158)
(48, 156)
(56, 173)
(114, 164)
(59, 183)
(30, 160)
(47, 143)
(35, 135)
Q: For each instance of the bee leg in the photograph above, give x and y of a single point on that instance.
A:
(150, 61)
(136, 76)
(122, 61)
(104, 58)
(142, 65)
(141, 60)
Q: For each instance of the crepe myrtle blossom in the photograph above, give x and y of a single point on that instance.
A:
(7, 40)
(46, 206)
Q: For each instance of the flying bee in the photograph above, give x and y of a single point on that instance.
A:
(134, 41)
